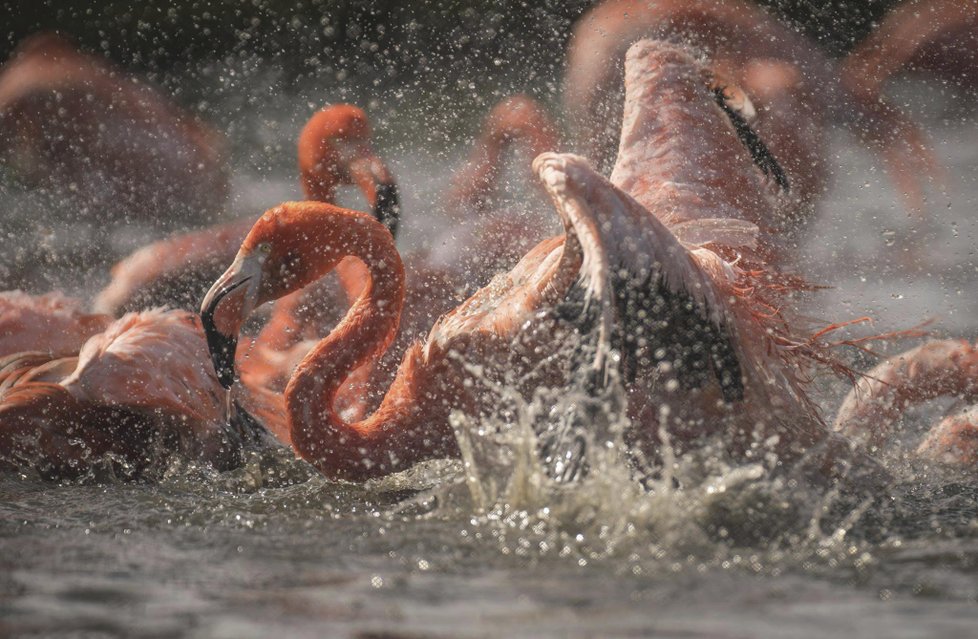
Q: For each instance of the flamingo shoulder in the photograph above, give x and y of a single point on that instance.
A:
(501, 306)
(154, 359)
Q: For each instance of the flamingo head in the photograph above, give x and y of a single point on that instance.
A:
(520, 116)
(289, 247)
(335, 150)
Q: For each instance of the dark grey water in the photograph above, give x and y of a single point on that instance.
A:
(200, 555)
(271, 549)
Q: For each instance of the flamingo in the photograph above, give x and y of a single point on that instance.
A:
(53, 323)
(139, 384)
(334, 151)
(517, 122)
(133, 394)
(934, 35)
(70, 119)
(648, 272)
(483, 242)
(793, 84)
(484, 239)
(941, 368)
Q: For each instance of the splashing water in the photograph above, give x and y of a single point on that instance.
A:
(500, 543)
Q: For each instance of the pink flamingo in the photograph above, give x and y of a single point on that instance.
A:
(944, 368)
(656, 288)
(134, 392)
(70, 118)
(334, 151)
(485, 242)
(793, 85)
(936, 36)
(484, 239)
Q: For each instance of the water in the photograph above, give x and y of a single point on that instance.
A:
(721, 550)
(219, 558)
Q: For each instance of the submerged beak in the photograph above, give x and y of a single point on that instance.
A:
(373, 178)
(224, 309)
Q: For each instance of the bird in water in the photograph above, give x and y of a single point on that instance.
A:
(335, 150)
(73, 124)
(649, 264)
(484, 241)
(936, 369)
(132, 396)
(794, 86)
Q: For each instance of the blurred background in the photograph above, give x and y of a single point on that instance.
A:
(437, 53)
(427, 72)
(354, 35)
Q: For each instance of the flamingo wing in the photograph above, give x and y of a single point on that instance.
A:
(52, 322)
(652, 291)
(137, 390)
(42, 426)
(156, 360)
(618, 268)
(176, 271)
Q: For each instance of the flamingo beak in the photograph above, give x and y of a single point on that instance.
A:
(374, 179)
(224, 309)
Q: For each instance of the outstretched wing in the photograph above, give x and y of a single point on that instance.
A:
(617, 269)
(686, 152)
(655, 300)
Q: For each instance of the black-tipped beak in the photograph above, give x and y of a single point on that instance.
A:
(387, 209)
(759, 152)
(374, 179)
(222, 346)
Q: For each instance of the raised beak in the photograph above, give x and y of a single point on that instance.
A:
(738, 108)
(225, 307)
(374, 179)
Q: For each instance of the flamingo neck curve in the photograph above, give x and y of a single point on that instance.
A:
(319, 187)
(678, 155)
(384, 441)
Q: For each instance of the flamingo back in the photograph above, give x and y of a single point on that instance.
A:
(52, 322)
(174, 271)
(155, 360)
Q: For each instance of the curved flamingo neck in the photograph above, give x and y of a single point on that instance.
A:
(678, 155)
(385, 441)
(521, 125)
(320, 187)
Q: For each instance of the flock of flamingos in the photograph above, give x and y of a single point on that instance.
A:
(671, 275)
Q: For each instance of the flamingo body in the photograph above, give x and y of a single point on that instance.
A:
(943, 368)
(678, 313)
(134, 393)
(795, 87)
(69, 118)
(52, 323)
